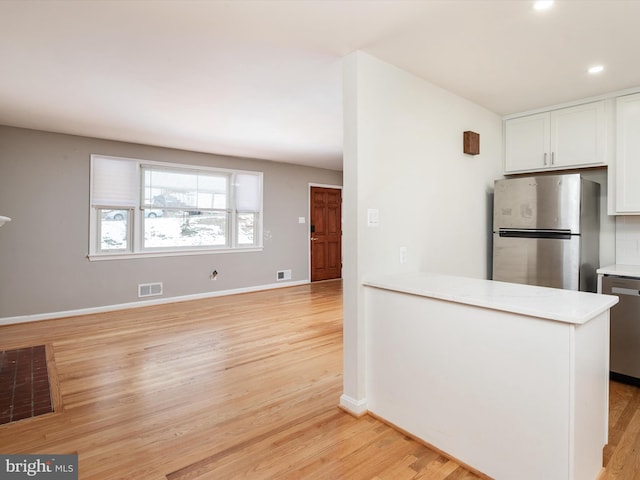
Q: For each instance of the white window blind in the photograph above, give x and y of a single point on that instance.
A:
(248, 195)
(115, 182)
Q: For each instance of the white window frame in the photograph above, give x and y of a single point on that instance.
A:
(135, 247)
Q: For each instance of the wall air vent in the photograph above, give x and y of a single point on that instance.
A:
(149, 289)
(283, 275)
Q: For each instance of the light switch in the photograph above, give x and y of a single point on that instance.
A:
(403, 254)
(301, 220)
(373, 217)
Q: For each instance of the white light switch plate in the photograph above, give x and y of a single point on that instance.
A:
(301, 220)
(373, 217)
(403, 254)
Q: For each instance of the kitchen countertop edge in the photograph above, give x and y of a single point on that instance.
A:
(566, 306)
(621, 270)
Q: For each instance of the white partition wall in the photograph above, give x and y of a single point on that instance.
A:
(510, 395)
(403, 157)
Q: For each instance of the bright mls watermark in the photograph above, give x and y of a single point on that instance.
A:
(51, 467)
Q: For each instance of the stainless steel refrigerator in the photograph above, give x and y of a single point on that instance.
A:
(546, 231)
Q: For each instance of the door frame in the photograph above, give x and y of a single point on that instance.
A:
(321, 185)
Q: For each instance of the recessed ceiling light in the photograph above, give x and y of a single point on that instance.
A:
(543, 4)
(596, 69)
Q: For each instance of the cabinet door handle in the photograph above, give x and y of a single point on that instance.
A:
(545, 158)
(553, 157)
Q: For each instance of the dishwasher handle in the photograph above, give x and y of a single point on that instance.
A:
(625, 291)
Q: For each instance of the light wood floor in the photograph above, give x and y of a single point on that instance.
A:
(243, 386)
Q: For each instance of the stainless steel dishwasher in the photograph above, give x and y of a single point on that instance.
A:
(625, 328)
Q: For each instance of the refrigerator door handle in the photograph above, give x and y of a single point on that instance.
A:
(525, 233)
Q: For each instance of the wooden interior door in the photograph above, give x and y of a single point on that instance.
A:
(326, 233)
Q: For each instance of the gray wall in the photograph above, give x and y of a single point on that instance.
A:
(44, 188)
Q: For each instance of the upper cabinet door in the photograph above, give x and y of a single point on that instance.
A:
(527, 143)
(627, 171)
(578, 135)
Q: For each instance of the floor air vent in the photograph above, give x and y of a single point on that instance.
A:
(149, 289)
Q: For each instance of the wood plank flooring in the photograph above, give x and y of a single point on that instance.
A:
(244, 386)
(622, 454)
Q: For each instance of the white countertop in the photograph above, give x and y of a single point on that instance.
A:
(549, 303)
(622, 270)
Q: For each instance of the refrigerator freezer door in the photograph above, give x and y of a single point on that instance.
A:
(537, 261)
(542, 202)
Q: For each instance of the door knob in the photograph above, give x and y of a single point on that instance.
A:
(313, 239)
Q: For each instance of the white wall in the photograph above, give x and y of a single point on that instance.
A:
(627, 240)
(403, 156)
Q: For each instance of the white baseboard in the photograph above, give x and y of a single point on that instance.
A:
(144, 303)
(357, 408)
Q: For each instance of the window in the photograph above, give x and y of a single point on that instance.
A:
(141, 207)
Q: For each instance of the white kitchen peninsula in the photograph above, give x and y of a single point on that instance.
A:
(511, 380)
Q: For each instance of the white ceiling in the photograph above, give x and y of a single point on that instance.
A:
(263, 78)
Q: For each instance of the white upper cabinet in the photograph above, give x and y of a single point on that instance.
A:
(570, 137)
(626, 173)
(527, 142)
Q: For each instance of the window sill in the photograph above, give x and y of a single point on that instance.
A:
(98, 257)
